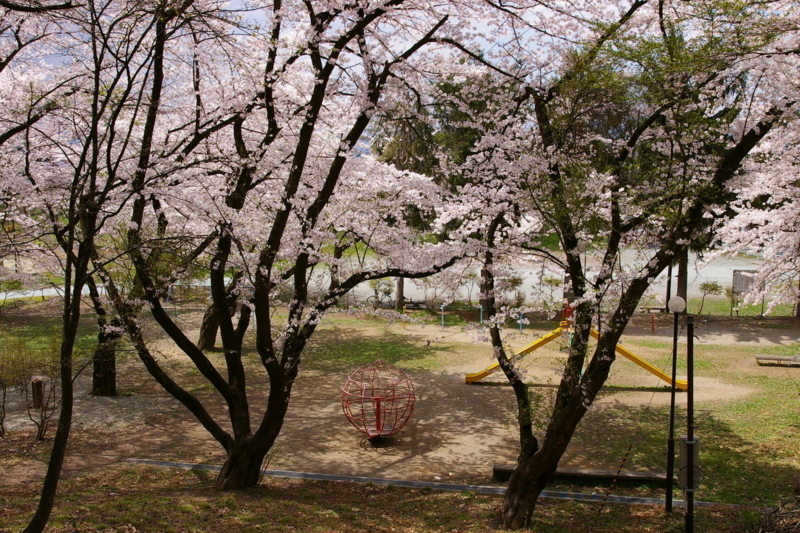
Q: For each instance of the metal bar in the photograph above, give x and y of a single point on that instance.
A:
(690, 424)
(671, 439)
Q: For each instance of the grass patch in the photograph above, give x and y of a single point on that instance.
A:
(337, 348)
(722, 307)
(750, 447)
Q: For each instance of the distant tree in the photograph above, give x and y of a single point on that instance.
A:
(766, 221)
(708, 287)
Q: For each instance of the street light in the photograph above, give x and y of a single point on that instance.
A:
(690, 478)
(676, 305)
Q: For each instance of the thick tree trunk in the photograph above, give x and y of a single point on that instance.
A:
(104, 364)
(522, 494)
(574, 397)
(59, 451)
(242, 468)
(530, 479)
(533, 474)
(70, 320)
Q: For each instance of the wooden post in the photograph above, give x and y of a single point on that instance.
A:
(37, 391)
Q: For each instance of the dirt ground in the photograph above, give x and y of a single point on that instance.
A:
(457, 432)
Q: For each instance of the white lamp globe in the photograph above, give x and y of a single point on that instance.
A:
(676, 304)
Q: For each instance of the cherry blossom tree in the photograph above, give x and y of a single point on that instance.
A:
(640, 124)
(270, 184)
(84, 91)
(766, 220)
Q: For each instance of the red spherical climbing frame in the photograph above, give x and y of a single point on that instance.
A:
(378, 399)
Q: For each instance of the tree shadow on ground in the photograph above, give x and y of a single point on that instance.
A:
(455, 432)
(735, 470)
(606, 388)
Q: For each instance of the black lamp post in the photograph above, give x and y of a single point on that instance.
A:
(676, 305)
(689, 448)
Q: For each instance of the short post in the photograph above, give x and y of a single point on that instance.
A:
(442, 317)
(481, 308)
(519, 318)
(37, 391)
(404, 317)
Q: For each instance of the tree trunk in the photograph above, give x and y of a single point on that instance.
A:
(399, 301)
(683, 276)
(533, 474)
(208, 329)
(530, 479)
(242, 468)
(210, 324)
(59, 451)
(3, 396)
(797, 304)
(71, 318)
(104, 363)
(574, 397)
(669, 288)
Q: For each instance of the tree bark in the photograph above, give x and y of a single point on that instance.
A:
(797, 304)
(3, 396)
(208, 329)
(683, 276)
(70, 320)
(526, 484)
(399, 301)
(669, 288)
(210, 324)
(242, 468)
(574, 397)
(104, 363)
(59, 451)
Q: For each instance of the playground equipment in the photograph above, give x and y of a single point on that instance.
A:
(562, 328)
(378, 399)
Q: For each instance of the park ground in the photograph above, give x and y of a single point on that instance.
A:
(748, 419)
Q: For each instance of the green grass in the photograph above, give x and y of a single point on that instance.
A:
(337, 348)
(38, 332)
(452, 317)
(716, 306)
(750, 447)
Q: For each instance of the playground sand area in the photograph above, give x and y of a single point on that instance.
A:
(458, 430)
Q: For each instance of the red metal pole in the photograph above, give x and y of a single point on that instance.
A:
(378, 415)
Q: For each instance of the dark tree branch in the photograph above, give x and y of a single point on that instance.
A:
(37, 7)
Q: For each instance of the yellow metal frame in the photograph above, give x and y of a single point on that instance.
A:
(556, 333)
